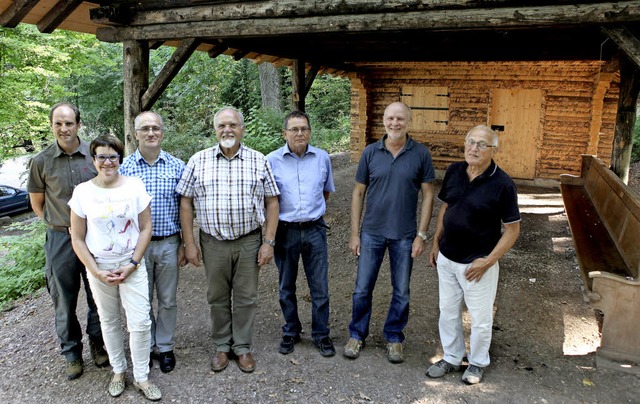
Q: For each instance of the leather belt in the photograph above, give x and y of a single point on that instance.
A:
(158, 238)
(303, 225)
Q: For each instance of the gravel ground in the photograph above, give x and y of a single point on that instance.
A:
(542, 351)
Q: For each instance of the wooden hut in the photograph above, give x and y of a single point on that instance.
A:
(546, 113)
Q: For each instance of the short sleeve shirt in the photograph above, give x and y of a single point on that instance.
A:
(56, 174)
(302, 182)
(160, 180)
(475, 211)
(228, 193)
(393, 185)
(112, 217)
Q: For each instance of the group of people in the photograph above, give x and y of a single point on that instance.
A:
(124, 227)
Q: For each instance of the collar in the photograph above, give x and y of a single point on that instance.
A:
(139, 158)
(489, 172)
(83, 149)
(217, 152)
(286, 150)
(407, 146)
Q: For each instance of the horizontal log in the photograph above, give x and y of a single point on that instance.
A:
(495, 18)
(171, 11)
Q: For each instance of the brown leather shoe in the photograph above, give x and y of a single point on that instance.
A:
(220, 361)
(246, 363)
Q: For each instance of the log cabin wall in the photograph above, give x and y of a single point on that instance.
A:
(571, 107)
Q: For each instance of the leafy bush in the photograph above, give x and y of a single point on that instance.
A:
(263, 129)
(22, 266)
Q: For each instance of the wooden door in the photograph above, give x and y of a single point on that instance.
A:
(515, 116)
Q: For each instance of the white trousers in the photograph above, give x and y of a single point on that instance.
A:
(479, 298)
(133, 296)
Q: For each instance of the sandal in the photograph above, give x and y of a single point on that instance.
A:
(117, 385)
(151, 392)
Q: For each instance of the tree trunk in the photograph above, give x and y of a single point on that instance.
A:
(270, 86)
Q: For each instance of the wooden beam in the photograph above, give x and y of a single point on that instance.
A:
(471, 19)
(298, 92)
(168, 72)
(301, 83)
(625, 118)
(135, 66)
(16, 12)
(176, 11)
(311, 76)
(57, 14)
(626, 41)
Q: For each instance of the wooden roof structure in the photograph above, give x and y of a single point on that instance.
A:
(335, 35)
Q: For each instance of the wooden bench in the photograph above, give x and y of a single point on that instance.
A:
(604, 217)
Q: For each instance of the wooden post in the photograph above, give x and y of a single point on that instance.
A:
(298, 93)
(625, 119)
(136, 81)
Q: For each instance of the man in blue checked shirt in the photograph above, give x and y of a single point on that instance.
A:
(303, 175)
(160, 173)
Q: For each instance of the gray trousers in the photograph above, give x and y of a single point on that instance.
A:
(65, 273)
(232, 275)
(161, 259)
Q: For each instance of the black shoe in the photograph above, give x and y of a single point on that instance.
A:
(287, 344)
(167, 361)
(325, 345)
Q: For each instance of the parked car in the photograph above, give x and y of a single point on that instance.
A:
(13, 200)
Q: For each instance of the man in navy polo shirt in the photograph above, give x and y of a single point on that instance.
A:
(160, 173)
(391, 173)
(478, 198)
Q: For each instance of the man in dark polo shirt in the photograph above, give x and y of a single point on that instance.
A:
(391, 173)
(478, 199)
(53, 174)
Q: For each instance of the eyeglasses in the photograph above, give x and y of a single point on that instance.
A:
(154, 129)
(482, 145)
(304, 130)
(112, 158)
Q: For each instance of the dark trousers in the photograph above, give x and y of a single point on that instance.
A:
(310, 243)
(65, 273)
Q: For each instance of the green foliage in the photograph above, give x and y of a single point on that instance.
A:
(635, 150)
(263, 129)
(38, 70)
(23, 261)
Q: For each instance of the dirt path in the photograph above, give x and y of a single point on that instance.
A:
(544, 335)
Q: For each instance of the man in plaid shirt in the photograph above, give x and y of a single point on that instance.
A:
(160, 173)
(234, 194)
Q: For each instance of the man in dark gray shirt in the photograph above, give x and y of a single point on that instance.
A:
(53, 174)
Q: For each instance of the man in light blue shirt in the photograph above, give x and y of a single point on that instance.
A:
(303, 175)
(160, 173)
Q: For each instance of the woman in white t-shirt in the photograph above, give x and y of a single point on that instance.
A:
(110, 231)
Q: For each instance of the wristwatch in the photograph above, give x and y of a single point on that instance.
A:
(272, 243)
(135, 263)
(423, 236)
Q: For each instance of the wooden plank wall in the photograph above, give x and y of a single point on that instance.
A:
(570, 115)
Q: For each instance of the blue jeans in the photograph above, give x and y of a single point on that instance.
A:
(372, 249)
(310, 243)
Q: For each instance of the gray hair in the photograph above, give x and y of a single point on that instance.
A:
(228, 108)
(136, 121)
(486, 130)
